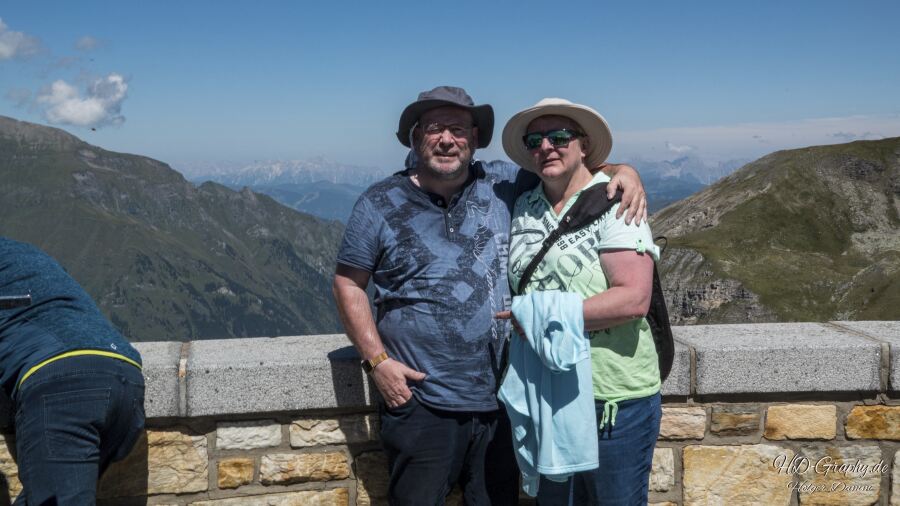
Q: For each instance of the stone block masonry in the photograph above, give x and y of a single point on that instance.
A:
(801, 421)
(780, 414)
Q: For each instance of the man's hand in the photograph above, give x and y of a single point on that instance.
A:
(634, 198)
(353, 307)
(391, 379)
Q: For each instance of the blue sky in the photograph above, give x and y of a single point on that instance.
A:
(190, 82)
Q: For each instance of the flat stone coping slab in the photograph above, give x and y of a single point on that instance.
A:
(888, 332)
(299, 373)
(160, 367)
(238, 376)
(679, 380)
(782, 357)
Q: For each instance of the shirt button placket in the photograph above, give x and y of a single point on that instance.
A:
(448, 222)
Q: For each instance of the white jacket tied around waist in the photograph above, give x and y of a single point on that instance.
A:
(548, 391)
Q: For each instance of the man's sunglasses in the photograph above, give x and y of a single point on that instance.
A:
(558, 138)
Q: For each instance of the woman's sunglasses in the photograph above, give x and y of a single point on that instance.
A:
(558, 138)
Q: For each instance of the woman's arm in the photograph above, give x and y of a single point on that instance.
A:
(630, 276)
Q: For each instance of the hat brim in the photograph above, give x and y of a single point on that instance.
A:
(482, 116)
(591, 122)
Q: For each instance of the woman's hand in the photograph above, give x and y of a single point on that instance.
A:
(507, 315)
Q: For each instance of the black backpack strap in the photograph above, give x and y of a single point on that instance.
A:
(592, 203)
(658, 319)
(536, 260)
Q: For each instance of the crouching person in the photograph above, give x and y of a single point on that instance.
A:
(75, 382)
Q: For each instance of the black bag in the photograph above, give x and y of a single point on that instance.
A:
(591, 205)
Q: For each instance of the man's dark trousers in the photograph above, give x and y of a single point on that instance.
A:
(74, 417)
(430, 450)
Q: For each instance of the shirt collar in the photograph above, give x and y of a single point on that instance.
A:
(476, 172)
(538, 193)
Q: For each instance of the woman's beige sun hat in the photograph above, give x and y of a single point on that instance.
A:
(591, 122)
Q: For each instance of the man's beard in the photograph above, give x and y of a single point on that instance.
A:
(436, 171)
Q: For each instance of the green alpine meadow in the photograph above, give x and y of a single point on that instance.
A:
(808, 234)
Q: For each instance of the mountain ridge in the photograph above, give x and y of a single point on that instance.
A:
(281, 172)
(163, 258)
(804, 234)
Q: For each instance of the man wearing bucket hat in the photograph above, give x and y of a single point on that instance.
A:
(434, 239)
(558, 140)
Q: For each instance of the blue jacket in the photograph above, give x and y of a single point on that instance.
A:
(61, 317)
(548, 390)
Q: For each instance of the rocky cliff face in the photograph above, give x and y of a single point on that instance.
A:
(807, 234)
(696, 294)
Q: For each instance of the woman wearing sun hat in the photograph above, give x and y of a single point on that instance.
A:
(610, 266)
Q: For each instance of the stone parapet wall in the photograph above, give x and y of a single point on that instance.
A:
(802, 452)
(281, 460)
(753, 414)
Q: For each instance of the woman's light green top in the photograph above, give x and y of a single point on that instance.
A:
(623, 358)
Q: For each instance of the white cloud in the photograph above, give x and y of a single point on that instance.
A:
(87, 43)
(752, 140)
(100, 105)
(679, 149)
(15, 44)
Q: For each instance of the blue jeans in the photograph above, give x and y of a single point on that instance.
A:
(626, 455)
(430, 450)
(74, 417)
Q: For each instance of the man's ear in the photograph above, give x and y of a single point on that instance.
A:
(475, 138)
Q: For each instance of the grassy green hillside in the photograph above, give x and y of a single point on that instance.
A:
(814, 232)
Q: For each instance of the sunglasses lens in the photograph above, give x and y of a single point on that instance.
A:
(533, 141)
(559, 138)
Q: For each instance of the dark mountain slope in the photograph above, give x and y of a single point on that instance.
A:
(165, 259)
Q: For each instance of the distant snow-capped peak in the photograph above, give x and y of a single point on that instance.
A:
(270, 172)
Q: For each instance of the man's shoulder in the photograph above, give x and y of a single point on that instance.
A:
(500, 169)
(378, 189)
(392, 181)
